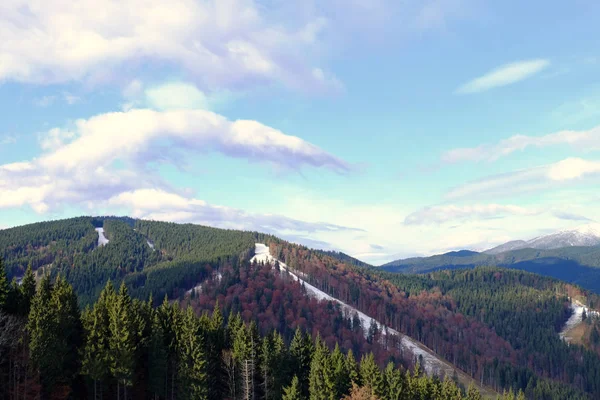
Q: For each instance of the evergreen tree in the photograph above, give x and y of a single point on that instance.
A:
(352, 368)
(371, 375)
(394, 381)
(292, 392)
(4, 286)
(96, 353)
(27, 290)
(341, 375)
(301, 355)
(192, 362)
(473, 393)
(320, 378)
(122, 340)
(56, 334)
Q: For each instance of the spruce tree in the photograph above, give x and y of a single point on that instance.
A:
(96, 354)
(371, 375)
(320, 377)
(192, 362)
(341, 375)
(473, 393)
(394, 382)
(4, 286)
(292, 392)
(301, 355)
(27, 290)
(122, 340)
(352, 367)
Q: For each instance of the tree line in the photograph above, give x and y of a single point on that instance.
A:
(125, 348)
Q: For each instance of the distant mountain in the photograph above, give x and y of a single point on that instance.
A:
(508, 246)
(585, 235)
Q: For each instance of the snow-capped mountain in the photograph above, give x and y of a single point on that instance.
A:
(585, 235)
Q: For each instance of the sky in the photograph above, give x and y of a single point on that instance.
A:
(381, 128)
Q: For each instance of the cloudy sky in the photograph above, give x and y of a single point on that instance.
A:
(380, 128)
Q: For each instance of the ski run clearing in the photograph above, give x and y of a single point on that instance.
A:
(576, 318)
(102, 240)
(430, 362)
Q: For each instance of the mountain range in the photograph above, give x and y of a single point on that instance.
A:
(571, 255)
(585, 235)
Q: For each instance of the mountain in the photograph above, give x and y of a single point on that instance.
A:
(570, 255)
(585, 235)
(508, 246)
(492, 327)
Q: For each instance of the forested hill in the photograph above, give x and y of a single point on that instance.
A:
(497, 327)
(152, 257)
(577, 264)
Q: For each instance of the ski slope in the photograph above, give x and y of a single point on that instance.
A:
(430, 362)
(576, 318)
(102, 240)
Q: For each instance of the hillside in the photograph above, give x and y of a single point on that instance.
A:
(484, 326)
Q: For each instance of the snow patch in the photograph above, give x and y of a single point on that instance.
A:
(150, 244)
(576, 318)
(430, 363)
(102, 240)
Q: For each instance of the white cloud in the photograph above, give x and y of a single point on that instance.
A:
(226, 43)
(78, 167)
(587, 140)
(550, 176)
(134, 136)
(55, 138)
(444, 213)
(504, 75)
(176, 96)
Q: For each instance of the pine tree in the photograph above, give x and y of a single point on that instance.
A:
(292, 392)
(320, 377)
(4, 286)
(352, 367)
(473, 393)
(96, 354)
(371, 376)
(122, 340)
(341, 375)
(301, 355)
(266, 367)
(157, 359)
(56, 335)
(192, 362)
(28, 286)
(394, 381)
(280, 365)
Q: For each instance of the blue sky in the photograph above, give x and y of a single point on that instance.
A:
(377, 128)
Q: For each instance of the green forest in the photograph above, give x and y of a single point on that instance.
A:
(125, 348)
(498, 327)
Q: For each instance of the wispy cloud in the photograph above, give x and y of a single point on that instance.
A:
(7, 139)
(504, 75)
(444, 213)
(550, 176)
(569, 216)
(586, 140)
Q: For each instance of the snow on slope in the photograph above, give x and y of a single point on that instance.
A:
(583, 235)
(102, 240)
(430, 362)
(576, 318)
